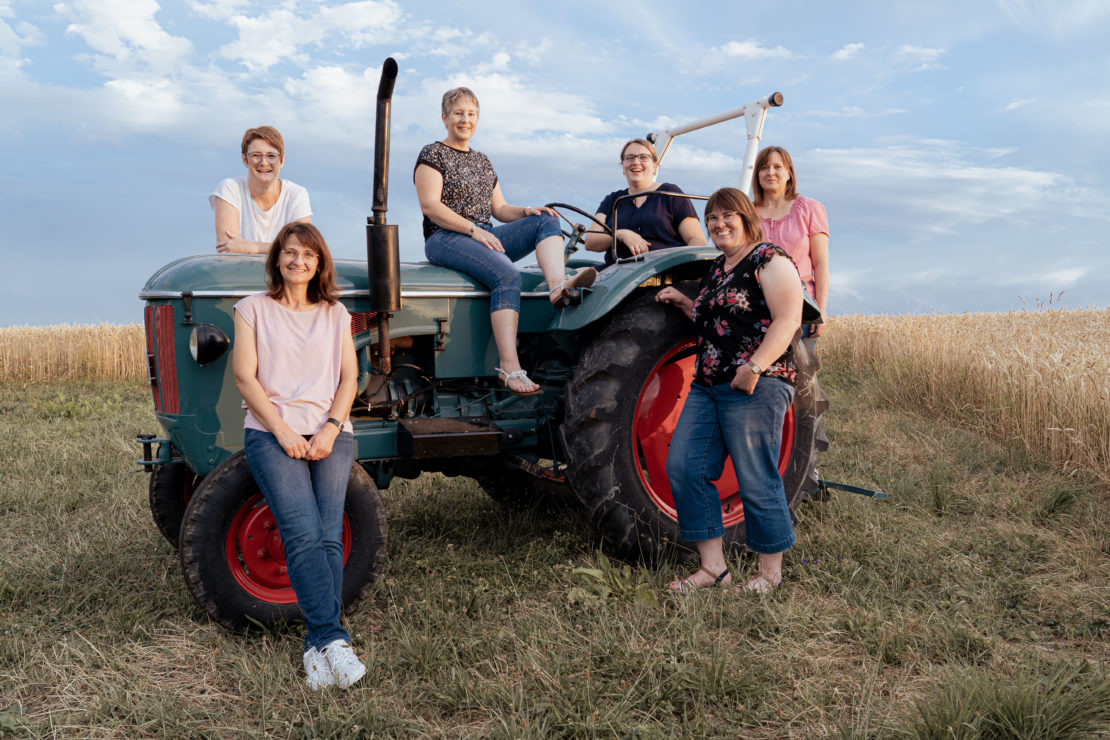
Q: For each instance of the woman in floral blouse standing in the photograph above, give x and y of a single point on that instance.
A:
(745, 315)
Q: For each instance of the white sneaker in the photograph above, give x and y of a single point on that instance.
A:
(317, 670)
(345, 665)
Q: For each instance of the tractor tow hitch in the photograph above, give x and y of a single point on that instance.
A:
(824, 486)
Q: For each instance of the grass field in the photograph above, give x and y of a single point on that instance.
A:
(974, 603)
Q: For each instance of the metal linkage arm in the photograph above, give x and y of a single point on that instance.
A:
(753, 114)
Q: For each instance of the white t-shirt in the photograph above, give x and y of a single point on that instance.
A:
(256, 225)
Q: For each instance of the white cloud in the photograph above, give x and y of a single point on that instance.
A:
(150, 104)
(1056, 279)
(752, 50)
(126, 36)
(266, 40)
(929, 189)
(925, 58)
(847, 51)
(1056, 18)
(1015, 104)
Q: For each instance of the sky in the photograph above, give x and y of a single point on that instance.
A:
(961, 149)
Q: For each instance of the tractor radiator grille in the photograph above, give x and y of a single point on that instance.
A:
(161, 358)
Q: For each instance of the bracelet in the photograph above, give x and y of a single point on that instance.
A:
(337, 422)
(472, 228)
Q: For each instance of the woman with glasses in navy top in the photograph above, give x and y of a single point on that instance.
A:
(647, 222)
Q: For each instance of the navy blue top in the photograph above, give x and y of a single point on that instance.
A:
(656, 220)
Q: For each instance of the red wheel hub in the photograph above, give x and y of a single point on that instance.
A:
(256, 555)
(657, 411)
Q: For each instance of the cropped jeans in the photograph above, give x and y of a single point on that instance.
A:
(493, 269)
(307, 498)
(718, 422)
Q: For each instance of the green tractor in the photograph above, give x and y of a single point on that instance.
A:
(614, 366)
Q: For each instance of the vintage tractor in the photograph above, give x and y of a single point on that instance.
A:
(614, 368)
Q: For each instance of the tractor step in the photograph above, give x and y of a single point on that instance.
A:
(417, 438)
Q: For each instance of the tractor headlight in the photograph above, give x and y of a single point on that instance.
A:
(207, 343)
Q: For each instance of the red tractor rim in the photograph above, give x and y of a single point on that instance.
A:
(658, 407)
(256, 556)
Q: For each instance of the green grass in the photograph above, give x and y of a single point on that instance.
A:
(972, 604)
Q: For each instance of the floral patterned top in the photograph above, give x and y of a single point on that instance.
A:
(468, 182)
(731, 316)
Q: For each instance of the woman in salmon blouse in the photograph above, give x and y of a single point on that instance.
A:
(795, 223)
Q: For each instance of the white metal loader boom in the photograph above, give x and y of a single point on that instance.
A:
(753, 114)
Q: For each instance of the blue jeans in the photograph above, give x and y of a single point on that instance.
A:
(718, 422)
(493, 269)
(306, 498)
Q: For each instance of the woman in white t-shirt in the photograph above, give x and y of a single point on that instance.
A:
(251, 210)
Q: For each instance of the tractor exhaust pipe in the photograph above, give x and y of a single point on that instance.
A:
(383, 253)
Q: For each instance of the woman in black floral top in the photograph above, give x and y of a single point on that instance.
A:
(459, 193)
(746, 314)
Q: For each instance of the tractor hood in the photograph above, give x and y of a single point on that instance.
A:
(225, 276)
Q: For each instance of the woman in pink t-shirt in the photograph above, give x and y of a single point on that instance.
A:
(295, 365)
(797, 224)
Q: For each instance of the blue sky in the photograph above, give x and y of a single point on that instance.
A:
(961, 148)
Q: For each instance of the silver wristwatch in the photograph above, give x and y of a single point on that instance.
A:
(756, 369)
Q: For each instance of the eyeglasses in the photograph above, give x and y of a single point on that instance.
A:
(630, 158)
(257, 157)
(724, 216)
(307, 257)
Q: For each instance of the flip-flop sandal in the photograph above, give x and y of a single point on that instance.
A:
(687, 585)
(518, 375)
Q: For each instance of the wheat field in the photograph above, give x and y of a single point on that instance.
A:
(1040, 379)
(72, 352)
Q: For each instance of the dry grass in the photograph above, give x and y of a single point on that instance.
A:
(1041, 379)
(72, 352)
(974, 599)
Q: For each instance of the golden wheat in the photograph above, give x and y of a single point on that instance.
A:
(1039, 378)
(72, 352)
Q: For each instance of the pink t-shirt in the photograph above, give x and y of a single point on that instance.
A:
(299, 358)
(792, 232)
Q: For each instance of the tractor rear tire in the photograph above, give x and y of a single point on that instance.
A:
(171, 487)
(621, 407)
(232, 556)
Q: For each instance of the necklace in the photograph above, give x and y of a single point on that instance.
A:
(730, 264)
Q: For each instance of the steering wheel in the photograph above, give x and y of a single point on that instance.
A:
(556, 206)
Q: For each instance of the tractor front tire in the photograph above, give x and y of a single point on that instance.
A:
(621, 408)
(171, 487)
(232, 555)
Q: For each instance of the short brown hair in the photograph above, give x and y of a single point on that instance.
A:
(731, 199)
(322, 286)
(642, 142)
(761, 160)
(269, 134)
(454, 94)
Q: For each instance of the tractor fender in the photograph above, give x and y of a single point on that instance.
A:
(617, 282)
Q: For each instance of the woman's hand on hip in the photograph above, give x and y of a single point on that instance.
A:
(745, 380)
(321, 443)
(295, 445)
(635, 243)
(487, 240)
